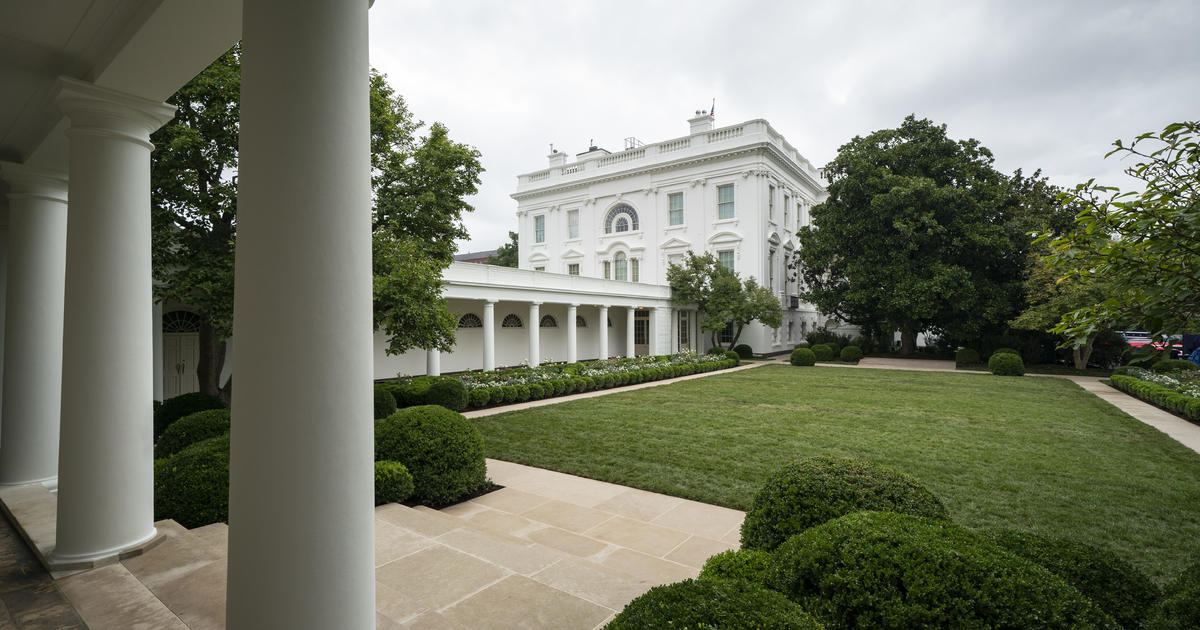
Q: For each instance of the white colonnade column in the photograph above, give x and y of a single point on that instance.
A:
(34, 324)
(572, 334)
(489, 335)
(105, 473)
(662, 329)
(629, 324)
(3, 293)
(433, 362)
(603, 332)
(301, 496)
(535, 330)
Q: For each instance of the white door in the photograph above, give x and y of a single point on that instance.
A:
(181, 353)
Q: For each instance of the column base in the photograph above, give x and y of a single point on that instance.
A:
(58, 563)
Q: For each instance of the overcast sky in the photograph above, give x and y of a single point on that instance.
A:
(1043, 84)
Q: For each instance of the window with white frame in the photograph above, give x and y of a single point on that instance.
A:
(548, 321)
(572, 224)
(770, 202)
(726, 334)
(787, 202)
(771, 269)
(539, 228)
(725, 257)
(580, 322)
(573, 269)
(511, 321)
(684, 341)
(725, 201)
(634, 269)
(621, 218)
(675, 208)
(621, 265)
(539, 268)
(607, 269)
(470, 320)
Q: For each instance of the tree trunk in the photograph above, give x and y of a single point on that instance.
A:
(1082, 353)
(908, 340)
(212, 358)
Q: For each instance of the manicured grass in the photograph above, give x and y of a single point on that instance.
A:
(1059, 370)
(1031, 453)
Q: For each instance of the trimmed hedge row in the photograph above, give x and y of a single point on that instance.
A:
(1165, 397)
(192, 486)
(190, 429)
(732, 604)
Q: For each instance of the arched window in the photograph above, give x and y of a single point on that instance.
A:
(511, 321)
(180, 322)
(622, 267)
(580, 322)
(621, 218)
(548, 321)
(470, 320)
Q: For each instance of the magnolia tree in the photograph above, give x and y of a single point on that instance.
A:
(721, 297)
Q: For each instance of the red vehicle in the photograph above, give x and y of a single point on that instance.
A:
(1139, 340)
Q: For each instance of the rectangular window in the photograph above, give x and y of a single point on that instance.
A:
(725, 257)
(607, 269)
(573, 269)
(633, 269)
(725, 201)
(675, 208)
(726, 334)
(641, 332)
(622, 268)
(787, 202)
(573, 224)
(684, 342)
(539, 229)
(770, 202)
(539, 268)
(771, 269)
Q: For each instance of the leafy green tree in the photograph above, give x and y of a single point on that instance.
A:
(721, 297)
(918, 234)
(1145, 244)
(1051, 295)
(506, 254)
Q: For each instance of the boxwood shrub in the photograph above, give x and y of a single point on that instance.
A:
(1006, 351)
(733, 356)
(851, 353)
(481, 397)
(412, 392)
(523, 393)
(192, 486)
(883, 571)
(811, 491)
(393, 483)
(803, 356)
(190, 429)
(967, 356)
(744, 351)
(175, 408)
(823, 352)
(1006, 364)
(537, 391)
(1171, 365)
(716, 350)
(732, 604)
(1116, 586)
(1179, 608)
(442, 449)
(737, 564)
(447, 392)
(385, 402)
(1165, 397)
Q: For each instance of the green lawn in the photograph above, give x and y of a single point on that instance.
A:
(1033, 453)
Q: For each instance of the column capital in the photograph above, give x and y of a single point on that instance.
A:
(98, 110)
(574, 305)
(491, 301)
(535, 303)
(25, 181)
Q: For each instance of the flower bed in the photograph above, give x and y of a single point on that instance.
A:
(1177, 392)
(520, 384)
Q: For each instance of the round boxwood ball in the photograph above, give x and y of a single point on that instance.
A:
(1006, 351)
(803, 356)
(823, 352)
(737, 564)
(481, 397)
(712, 604)
(966, 356)
(190, 429)
(175, 408)
(1179, 607)
(192, 486)
(1006, 364)
(442, 449)
(449, 393)
(385, 402)
(730, 355)
(811, 491)
(393, 483)
(1172, 365)
(1116, 586)
(744, 351)
(851, 353)
(883, 571)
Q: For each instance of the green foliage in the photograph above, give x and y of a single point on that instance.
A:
(385, 402)
(1172, 365)
(507, 254)
(393, 483)
(851, 353)
(1006, 364)
(733, 356)
(192, 486)
(966, 356)
(407, 295)
(175, 408)
(721, 297)
(481, 397)
(1179, 608)
(882, 570)
(744, 351)
(1165, 397)
(191, 429)
(1144, 244)
(1113, 584)
(442, 449)
(1006, 351)
(712, 604)
(811, 491)
(447, 392)
(803, 356)
(1051, 294)
(823, 352)
(737, 564)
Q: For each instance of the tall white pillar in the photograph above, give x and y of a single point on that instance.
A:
(34, 325)
(105, 474)
(433, 362)
(156, 325)
(489, 335)
(629, 324)
(3, 291)
(662, 329)
(301, 496)
(535, 331)
(603, 332)
(572, 353)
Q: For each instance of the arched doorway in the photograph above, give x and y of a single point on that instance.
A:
(181, 353)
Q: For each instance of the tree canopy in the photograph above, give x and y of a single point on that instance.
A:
(721, 297)
(507, 254)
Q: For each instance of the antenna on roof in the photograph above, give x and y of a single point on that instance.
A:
(712, 111)
(552, 149)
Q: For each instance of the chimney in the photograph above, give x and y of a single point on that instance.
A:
(557, 158)
(702, 122)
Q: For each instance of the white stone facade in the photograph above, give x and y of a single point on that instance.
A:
(739, 191)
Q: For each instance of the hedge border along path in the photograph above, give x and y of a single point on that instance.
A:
(1162, 397)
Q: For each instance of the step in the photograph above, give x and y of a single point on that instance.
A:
(111, 598)
(186, 572)
(215, 535)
